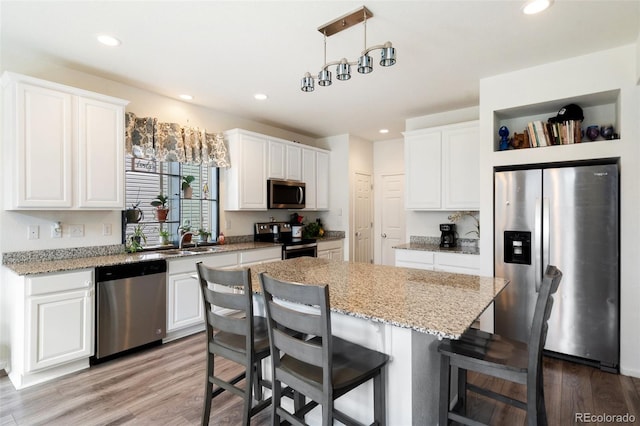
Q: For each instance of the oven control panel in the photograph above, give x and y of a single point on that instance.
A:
(272, 231)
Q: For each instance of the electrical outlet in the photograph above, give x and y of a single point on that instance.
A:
(76, 231)
(227, 224)
(106, 229)
(56, 230)
(33, 232)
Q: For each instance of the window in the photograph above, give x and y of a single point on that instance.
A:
(146, 179)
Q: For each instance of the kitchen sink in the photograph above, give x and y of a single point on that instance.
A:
(205, 249)
(190, 250)
(175, 251)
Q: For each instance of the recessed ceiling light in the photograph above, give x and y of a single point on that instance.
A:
(260, 96)
(383, 131)
(186, 97)
(531, 7)
(108, 40)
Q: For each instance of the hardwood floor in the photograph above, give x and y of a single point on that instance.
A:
(164, 385)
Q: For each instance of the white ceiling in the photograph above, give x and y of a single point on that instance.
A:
(223, 52)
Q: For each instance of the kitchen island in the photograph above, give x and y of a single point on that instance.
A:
(399, 311)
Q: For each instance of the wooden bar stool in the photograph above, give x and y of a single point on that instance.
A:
(314, 363)
(503, 358)
(239, 337)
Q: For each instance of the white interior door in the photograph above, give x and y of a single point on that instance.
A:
(392, 223)
(363, 219)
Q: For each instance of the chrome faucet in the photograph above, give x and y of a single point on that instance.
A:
(182, 239)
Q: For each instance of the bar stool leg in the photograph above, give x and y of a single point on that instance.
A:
(445, 378)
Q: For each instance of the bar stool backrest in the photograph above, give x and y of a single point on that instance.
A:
(285, 306)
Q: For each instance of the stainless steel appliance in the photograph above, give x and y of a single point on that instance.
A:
(568, 217)
(281, 232)
(130, 306)
(285, 194)
(447, 235)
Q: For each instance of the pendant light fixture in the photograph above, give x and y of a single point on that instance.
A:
(343, 66)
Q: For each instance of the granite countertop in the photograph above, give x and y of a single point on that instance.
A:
(439, 303)
(42, 267)
(462, 249)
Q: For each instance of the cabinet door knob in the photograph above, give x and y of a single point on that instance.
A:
(384, 235)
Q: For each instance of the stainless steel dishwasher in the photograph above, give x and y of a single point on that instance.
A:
(130, 306)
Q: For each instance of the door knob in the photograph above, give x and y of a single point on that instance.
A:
(384, 235)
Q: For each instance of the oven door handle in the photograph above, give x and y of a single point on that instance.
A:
(300, 246)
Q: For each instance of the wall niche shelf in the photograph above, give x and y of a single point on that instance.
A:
(602, 108)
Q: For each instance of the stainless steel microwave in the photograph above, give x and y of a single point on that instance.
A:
(285, 194)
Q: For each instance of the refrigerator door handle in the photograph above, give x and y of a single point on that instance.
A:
(537, 237)
(546, 216)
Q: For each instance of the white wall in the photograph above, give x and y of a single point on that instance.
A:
(638, 59)
(442, 118)
(13, 225)
(337, 218)
(602, 71)
(388, 159)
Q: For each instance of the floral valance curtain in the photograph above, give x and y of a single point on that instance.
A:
(145, 137)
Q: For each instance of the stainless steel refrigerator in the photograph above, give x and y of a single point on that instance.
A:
(567, 217)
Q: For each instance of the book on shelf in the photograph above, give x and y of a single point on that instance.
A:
(546, 134)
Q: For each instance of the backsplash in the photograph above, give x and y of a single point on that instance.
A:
(60, 254)
(80, 252)
(462, 242)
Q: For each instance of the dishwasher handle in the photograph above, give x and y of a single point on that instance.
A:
(129, 270)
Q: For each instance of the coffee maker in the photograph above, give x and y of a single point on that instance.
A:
(448, 235)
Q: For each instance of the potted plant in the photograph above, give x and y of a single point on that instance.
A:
(164, 237)
(134, 214)
(204, 235)
(187, 190)
(160, 203)
(136, 239)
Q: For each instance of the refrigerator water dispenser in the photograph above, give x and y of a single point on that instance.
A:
(517, 247)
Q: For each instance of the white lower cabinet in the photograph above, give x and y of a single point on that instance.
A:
(415, 259)
(52, 325)
(185, 308)
(331, 250)
(256, 257)
(438, 261)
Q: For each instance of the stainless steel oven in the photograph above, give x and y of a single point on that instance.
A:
(281, 232)
(299, 249)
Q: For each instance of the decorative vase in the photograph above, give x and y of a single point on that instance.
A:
(187, 238)
(606, 131)
(593, 133)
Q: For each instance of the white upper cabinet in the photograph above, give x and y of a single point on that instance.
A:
(100, 154)
(246, 179)
(294, 162)
(63, 147)
(256, 158)
(285, 160)
(315, 174)
(461, 168)
(277, 162)
(442, 168)
(422, 161)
